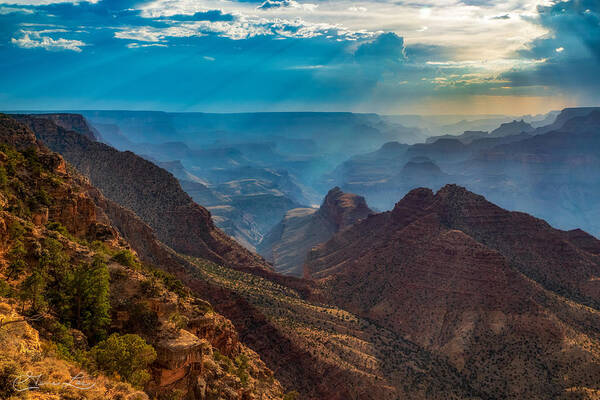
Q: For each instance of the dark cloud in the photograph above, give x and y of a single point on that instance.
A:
(387, 47)
(505, 16)
(427, 52)
(570, 52)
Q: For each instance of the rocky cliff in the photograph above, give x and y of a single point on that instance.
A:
(479, 285)
(149, 191)
(53, 222)
(73, 122)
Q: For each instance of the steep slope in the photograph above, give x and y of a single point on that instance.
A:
(73, 122)
(58, 234)
(287, 244)
(151, 192)
(188, 329)
(327, 352)
(245, 202)
(24, 352)
(457, 275)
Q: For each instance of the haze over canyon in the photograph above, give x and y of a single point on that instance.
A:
(299, 200)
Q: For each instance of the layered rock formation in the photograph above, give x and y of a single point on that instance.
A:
(199, 351)
(149, 191)
(549, 172)
(286, 246)
(73, 122)
(477, 284)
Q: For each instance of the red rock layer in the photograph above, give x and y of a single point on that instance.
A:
(444, 271)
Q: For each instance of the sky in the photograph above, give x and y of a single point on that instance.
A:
(391, 57)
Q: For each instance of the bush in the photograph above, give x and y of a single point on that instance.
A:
(57, 227)
(43, 198)
(3, 177)
(16, 230)
(16, 256)
(150, 287)
(170, 282)
(241, 362)
(126, 356)
(7, 290)
(180, 321)
(8, 373)
(127, 259)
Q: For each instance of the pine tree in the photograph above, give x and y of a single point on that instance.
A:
(127, 356)
(91, 302)
(32, 290)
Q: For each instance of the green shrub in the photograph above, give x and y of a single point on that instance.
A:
(16, 255)
(16, 230)
(3, 177)
(180, 321)
(126, 356)
(241, 371)
(8, 373)
(127, 259)
(6, 290)
(32, 290)
(170, 282)
(150, 287)
(43, 198)
(57, 227)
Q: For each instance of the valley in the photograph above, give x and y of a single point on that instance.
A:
(299, 200)
(445, 296)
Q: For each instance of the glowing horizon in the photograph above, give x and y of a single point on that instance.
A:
(429, 57)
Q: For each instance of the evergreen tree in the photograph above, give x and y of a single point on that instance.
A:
(32, 290)
(127, 356)
(90, 299)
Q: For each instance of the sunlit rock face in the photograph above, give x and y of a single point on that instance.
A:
(287, 245)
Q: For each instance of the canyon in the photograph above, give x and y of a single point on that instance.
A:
(447, 295)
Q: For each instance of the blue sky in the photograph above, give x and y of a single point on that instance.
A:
(442, 56)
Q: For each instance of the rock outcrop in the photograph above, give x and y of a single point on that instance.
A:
(287, 245)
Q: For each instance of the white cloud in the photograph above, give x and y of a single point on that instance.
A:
(243, 28)
(468, 31)
(11, 10)
(43, 2)
(272, 4)
(34, 39)
(140, 45)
